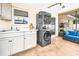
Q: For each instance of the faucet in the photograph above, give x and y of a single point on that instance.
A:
(11, 28)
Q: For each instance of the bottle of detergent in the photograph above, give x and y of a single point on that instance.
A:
(31, 26)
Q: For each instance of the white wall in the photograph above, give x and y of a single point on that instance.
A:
(6, 25)
(58, 10)
(33, 9)
(18, 25)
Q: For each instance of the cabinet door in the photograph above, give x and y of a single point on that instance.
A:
(5, 46)
(32, 39)
(26, 43)
(6, 11)
(18, 44)
(0, 10)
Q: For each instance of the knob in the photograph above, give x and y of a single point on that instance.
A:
(10, 40)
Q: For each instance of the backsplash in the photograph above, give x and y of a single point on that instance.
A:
(5, 25)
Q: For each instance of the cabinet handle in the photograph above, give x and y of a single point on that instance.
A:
(25, 38)
(10, 40)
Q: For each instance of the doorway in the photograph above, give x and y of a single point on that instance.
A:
(68, 21)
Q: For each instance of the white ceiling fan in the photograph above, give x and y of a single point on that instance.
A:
(61, 4)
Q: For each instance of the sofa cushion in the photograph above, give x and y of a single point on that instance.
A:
(66, 32)
(77, 33)
(72, 33)
(77, 38)
(70, 36)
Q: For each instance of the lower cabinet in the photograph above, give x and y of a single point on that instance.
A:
(30, 39)
(17, 44)
(26, 43)
(11, 45)
(14, 44)
(5, 46)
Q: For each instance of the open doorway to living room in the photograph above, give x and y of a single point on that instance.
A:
(69, 25)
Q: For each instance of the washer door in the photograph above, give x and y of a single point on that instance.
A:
(47, 36)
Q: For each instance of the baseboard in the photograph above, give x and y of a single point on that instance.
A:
(15, 54)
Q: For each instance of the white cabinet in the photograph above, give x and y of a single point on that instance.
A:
(26, 43)
(5, 46)
(6, 11)
(11, 45)
(30, 39)
(33, 40)
(0, 10)
(18, 44)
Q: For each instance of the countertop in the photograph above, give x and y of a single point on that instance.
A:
(14, 33)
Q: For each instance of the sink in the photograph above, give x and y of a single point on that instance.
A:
(24, 29)
(8, 31)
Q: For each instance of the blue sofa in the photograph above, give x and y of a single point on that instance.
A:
(71, 36)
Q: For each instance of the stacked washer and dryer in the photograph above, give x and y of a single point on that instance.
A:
(43, 19)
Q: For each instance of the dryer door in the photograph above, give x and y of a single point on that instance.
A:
(47, 36)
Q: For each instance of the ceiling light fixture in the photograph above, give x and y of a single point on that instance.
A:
(61, 4)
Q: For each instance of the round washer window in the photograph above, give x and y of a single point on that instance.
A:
(47, 36)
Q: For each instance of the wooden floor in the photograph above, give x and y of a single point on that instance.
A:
(58, 47)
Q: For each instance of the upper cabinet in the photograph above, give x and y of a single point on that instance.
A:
(6, 11)
(0, 10)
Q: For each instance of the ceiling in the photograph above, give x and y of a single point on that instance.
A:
(32, 5)
(73, 14)
(44, 6)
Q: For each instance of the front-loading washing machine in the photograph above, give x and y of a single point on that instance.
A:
(43, 33)
(43, 38)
